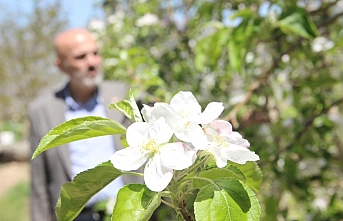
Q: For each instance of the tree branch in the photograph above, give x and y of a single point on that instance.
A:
(301, 132)
(232, 115)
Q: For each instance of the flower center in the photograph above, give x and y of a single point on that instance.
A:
(151, 146)
(219, 141)
(215, 138)
(184, 114)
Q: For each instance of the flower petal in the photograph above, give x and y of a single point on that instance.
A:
(221, 161)
(196, 136)
(137, 133)
(146, 112)
(167, 112)
(185, 104)
(211, 112)
(236, 138)
(127, 159)
(177, 156)
(157, 176)
(160, 131)
(223, 127)
(239, 154)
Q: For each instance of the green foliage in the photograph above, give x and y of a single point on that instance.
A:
(241, 38)
(252, 174)
(225, 199)
(249, 173)
(219, 193)
(77, 129)
(216, 173)
(296, 20)
(276, 65)
(128, 108)
(135, 202)
(76, 194)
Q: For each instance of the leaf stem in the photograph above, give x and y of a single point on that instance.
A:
(170, 205)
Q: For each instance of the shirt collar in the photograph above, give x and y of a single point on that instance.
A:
(75, 106)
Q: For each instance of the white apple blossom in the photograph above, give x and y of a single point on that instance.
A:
(322, 44)
(146, 112)
(126, 41)
(116, 20)
(225, 144)
(148, 142)
(147, 20)
(184, 116)
(97, 25)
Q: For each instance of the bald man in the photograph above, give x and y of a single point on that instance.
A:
(84, 94)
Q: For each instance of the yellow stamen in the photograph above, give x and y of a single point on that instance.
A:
(220, 141)
(151, 146)
(183, 114)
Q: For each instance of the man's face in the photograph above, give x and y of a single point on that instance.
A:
(82, 61)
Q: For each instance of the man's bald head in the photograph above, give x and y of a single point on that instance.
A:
(67, 40)
(78, 56)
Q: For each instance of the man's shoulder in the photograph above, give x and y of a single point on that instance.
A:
(113, 84)
(114, 88)
(46, 97)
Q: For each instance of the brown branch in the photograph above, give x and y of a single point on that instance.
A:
(232, 115)
(309, 122)
(330, 20)
(183, 209)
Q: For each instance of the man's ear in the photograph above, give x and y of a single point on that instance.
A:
(59, 64)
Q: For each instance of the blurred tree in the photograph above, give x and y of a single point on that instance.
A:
(276, 65)
(26, 55)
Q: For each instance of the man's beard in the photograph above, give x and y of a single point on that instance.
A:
(92, 82)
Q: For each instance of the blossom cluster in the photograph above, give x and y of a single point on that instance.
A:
(171, 136)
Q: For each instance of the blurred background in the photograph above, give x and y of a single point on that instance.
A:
(276, 66)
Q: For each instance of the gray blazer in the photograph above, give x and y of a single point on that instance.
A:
(51, 169)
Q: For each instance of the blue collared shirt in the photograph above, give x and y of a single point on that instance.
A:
(88, 153)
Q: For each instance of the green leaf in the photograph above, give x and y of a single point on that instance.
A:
(129, 108)
(216, 173)
(296, 20)
(252, 173)
(74, 195)
(271, 207)
(123, 141)
(210, 49)
(78, 129)
(135, 202)
(225, 199)
(200, 60)
(245, 13)
(255, 209)
(291, 168)
(240, 39)
(289, 112)
(238, 173)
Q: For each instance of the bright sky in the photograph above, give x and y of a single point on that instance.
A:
(79, 11)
